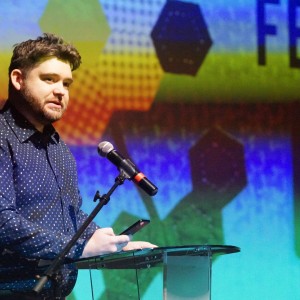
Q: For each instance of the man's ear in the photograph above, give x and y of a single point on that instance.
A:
(16, 78)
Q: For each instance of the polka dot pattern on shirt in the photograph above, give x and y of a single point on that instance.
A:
(39, 201)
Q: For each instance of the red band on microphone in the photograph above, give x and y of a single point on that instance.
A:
(138, 177)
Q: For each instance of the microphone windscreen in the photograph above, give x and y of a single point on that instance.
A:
(104, 148)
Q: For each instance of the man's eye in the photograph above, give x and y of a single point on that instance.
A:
(67, 84)
(48, 79)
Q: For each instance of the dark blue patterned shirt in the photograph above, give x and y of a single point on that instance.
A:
(39, 202)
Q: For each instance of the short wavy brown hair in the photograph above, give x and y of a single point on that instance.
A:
(28, 53)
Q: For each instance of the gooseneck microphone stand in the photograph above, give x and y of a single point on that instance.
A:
(52, 270)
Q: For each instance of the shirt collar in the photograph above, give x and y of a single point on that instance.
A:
(23, 129)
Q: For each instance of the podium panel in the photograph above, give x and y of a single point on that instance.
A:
(187, 277)
(186, 272)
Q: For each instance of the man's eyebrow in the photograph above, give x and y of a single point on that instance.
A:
(68, 79)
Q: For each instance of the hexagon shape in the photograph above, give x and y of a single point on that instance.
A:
(81, 22)
(217, 163)
(181, 38)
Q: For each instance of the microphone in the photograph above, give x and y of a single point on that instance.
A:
(107, 150)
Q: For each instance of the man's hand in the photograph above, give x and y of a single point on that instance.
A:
(138, 245)
(104, 241)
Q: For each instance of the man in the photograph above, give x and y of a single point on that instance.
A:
(39, 199)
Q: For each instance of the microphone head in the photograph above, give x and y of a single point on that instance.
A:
(104, 148)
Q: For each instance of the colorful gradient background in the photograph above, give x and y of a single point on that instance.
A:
(223, 145)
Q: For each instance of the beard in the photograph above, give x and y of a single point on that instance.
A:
(36, 108)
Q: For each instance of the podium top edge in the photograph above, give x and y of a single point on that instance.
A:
(151, 256)
(213, 249)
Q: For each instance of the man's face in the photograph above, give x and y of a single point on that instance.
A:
(45, 91)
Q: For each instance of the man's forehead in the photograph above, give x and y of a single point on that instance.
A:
(53, 65)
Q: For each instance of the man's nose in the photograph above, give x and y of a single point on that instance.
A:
(59, 89)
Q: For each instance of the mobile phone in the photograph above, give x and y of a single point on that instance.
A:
(135, 227)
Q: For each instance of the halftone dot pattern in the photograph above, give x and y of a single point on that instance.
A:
(129, 81)
(87, 114)
(131, 22)
(81, 123)
(181, 38)
(117, 82)
(124, 76)
(130, 71)
(113, 37)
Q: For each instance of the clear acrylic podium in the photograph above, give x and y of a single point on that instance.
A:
(186, 269)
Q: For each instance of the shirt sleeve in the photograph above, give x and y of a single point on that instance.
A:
(17, 234)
